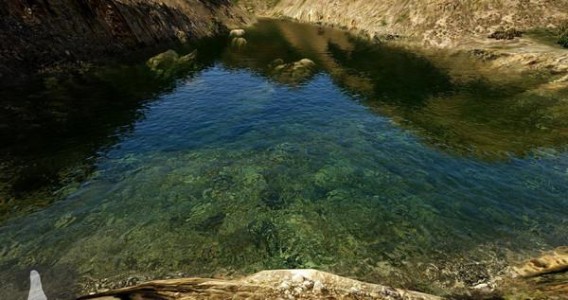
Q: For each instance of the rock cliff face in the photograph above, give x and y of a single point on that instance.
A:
(41, 33)
(435, 22)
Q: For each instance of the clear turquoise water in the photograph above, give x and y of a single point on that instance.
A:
(231, 169)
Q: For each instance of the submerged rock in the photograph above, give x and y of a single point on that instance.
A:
(292, 73)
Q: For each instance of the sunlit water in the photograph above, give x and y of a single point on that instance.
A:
(363, 168)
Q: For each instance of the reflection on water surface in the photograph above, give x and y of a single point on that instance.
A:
(373, 164)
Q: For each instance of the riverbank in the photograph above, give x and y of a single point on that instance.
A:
(543, 277)
(505, 37)
(438, 23)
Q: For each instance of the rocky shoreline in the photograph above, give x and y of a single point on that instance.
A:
(42, 37)
(543, 277)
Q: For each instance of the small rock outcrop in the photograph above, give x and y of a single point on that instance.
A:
(169, 63)
(543, 277)
(552, 262)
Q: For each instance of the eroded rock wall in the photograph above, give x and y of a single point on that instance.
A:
(40, 33)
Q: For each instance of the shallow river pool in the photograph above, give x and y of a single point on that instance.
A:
(373, 163)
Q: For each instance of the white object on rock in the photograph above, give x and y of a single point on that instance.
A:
(36, 291)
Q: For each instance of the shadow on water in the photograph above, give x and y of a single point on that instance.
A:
(282, 152)
(53, 129)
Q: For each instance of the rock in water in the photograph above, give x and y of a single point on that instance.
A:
(163, 61)
(36, 290)
(169, 64)
(292, 73)
(237, 33)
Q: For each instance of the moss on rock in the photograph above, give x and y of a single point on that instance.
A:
(168, 64)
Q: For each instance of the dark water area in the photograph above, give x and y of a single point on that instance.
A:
(375, 163)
